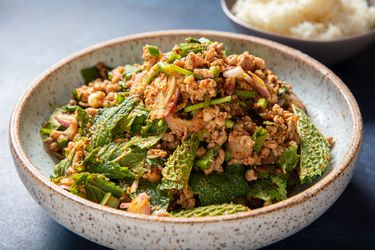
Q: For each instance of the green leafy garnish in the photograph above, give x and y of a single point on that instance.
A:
(314, 148)
(129, 71)
(154, 127)
(217, 188)
(270, 189)
(288, 160)
(107, 120)
(145, 142)
(178, 166)
(212, 210)
(92, 73)
(52, 123)
(159, 198)
(92, 186)
(117, 161)
(134, 121)
(83, 121)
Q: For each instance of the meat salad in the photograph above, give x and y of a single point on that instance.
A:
(195, 131)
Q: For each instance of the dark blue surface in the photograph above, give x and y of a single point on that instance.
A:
(36, 34)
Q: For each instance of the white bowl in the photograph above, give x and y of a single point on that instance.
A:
(328, 101)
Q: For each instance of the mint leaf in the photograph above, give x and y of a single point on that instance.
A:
(134, 120)
(159, 198)
(288, 160)
(83, 120)
(178, 166)
(92, 186)
(217, 188)
(106, 122)
(270, 189)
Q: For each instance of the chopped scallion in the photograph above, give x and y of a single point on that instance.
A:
(246, 93)
(204, 104)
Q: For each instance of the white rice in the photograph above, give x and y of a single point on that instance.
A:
(308, 19)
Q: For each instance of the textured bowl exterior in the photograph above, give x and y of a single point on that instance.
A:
(329, 52)
(328, 101)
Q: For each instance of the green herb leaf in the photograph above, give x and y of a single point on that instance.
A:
(219, 188)
(314, 148)
(52, 123)
(178, 166)
(133, 122)
(107, 120)
(159, 198)
(154, 127)
(111, 170)
(270, 189)
(93, 186)
(117, 161)
(288, 160)
(212, 210)
(83, 121)
(129, 71)
(145, 142)
(92, 73)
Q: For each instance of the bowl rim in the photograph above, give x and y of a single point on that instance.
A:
(23, 162)
(238, 21)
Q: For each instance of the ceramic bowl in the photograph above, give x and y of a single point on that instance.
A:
(328, 52)
(328, 101)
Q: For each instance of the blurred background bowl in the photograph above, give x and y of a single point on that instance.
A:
(327, 52)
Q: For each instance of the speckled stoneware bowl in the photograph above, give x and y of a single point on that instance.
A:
(328, 101)
(328, 52)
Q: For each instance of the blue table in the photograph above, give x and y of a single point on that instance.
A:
(36, 34)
